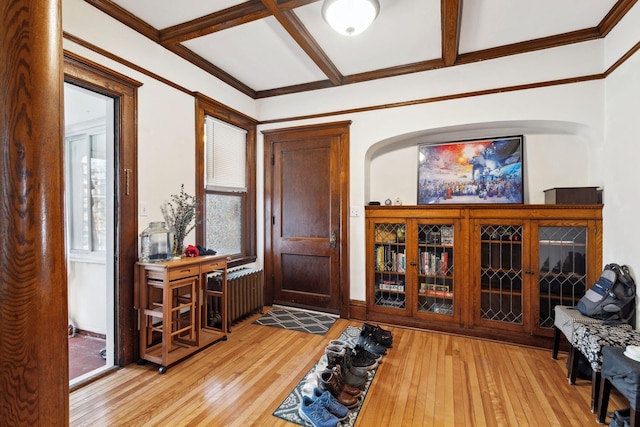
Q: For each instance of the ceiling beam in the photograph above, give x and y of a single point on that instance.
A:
(614, 16)
(530, 45)
(236, 15)
(291, 23)
(451, 11)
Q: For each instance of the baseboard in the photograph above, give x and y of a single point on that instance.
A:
(358, 310)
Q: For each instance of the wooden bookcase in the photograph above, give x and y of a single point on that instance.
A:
(182, 306)
(491, 271)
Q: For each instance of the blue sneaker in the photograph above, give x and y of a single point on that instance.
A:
(331, 403)
(313, 412)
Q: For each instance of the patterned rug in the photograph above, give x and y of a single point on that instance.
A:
(298, 320)
(288, 410)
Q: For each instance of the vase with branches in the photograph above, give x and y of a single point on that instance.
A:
(180, 214)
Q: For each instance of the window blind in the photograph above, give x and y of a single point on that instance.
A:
(225, 154)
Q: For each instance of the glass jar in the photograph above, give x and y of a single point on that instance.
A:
(156, 243)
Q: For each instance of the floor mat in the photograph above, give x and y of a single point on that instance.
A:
(298, 320)
(288, 410)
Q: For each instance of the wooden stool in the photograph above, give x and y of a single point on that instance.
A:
(622, 373)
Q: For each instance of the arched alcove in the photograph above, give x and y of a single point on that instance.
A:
(556, 154)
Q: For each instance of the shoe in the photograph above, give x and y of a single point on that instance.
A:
(352, 376)
(360, 358)
(368, 343)
(381, 336)
(358, 349)
(310, 384)
(331, 381)
(331, 404)
(314, 412)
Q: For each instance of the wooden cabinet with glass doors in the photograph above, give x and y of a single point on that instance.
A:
(411, 264)
(490, 271)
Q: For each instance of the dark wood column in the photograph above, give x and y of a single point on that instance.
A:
(34, 374)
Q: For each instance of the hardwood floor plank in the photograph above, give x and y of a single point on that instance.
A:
(426, 379)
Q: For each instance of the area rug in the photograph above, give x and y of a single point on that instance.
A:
(288, 410)
(298, 320)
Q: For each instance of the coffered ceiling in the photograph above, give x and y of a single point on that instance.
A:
(271, 47)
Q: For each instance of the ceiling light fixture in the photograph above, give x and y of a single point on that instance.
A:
(350, 17)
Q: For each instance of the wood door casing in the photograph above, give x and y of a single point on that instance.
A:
(306, 223)
(89, 75)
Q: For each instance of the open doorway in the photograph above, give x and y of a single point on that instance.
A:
(89, 229)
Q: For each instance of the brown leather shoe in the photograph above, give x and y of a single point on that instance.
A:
(330, 381)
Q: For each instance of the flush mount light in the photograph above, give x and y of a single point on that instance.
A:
(350, 17)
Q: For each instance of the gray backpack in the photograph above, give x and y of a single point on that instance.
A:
(612, 297)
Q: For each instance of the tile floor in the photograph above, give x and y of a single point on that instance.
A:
(84, 354)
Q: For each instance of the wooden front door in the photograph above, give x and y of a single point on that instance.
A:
(306, 176)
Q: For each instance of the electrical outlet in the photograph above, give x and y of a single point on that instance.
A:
(144, 209)
(354, 212)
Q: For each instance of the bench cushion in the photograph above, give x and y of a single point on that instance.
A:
(590, 339)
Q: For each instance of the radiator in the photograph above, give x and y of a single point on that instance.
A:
(245, 293)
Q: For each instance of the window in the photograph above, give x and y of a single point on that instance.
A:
(87, 182)
(226, 170)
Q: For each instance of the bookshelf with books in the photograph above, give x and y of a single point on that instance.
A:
(435, 268)
(412, 266)
(491, 271)
(390, 266)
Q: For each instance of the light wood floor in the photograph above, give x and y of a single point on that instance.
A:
(426, 379)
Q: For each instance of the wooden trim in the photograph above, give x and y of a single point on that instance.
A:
(131, 21)
(622, 60)
(301, 35)
(358, 310)
(201, 63)
(451, 17)
(34, 378)
(339, 130)
(441, 98)
(227, 18)
(206, 106)
(578, 36)
(126, 18)
(123, 61)
(85, 73)
(614, 16)
(283, 11)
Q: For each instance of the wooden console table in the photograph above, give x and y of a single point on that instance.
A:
(182, 306)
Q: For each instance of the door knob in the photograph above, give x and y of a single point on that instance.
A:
(332, 240)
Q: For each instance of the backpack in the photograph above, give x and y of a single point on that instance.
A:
(612, 297)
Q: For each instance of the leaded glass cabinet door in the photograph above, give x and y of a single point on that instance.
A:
(502, 289)
(562, 269)
(390, 266)
(436, 284)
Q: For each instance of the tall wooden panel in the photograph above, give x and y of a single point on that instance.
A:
(34, 379)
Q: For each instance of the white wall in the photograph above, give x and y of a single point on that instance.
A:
(620, 160)
(569, 138)
(561, 125)
(166, 116)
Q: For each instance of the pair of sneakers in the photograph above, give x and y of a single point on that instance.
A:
(321, 409)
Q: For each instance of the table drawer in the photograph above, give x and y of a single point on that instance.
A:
(212, 265)
(183, 272)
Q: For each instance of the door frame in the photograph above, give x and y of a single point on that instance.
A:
(87, 74)
(333, 129)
